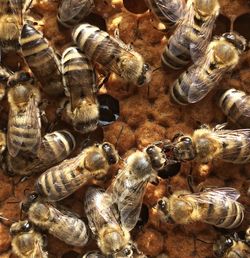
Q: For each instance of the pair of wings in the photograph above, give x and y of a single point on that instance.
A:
(30, 121)
(185, 26)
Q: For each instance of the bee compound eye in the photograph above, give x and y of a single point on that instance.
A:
(229, 242)
(26, 226)
(150, 150)
(146, 67)
(127, 252)
(162, 204)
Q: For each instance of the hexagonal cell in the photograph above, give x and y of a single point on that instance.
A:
(241, 25)
(222, 25)
(136, 7)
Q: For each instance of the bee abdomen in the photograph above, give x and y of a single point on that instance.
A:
(93, 42)
(41, 59)
(230, 103)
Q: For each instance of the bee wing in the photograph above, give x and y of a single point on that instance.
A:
(244, 106)
(170, 9)
(234, 136)
(38, 250)
(99, 209)
(128, 194)
(200, 82)
(20, 7)
(30, 120)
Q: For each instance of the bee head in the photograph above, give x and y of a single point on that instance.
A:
(30, 200)
(206, 8)
(145, 75)
(184, 149)
(221, 246)
(110, 153)
(19, 227)
(19, 78)
(156, 156)
(237, 40)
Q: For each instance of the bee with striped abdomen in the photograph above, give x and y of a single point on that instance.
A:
(231, 246)
(55, 147)
(235, 104)
(192, 34)
(128, 187)
(112, 54)
(103, 219)
(62, 180)
(41, 59)
(222, 55)
(80, 83)
(168, 12)
(207, 144)
(71, 12)
(60, 223)
(215, 206)
(24, 124)
(26, 241)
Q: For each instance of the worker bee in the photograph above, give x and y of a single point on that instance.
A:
(27, 241)
(215, 206)
(71, 12)
(112, 54)
(168, 12)
(207, 144)
(128, 188)
(11, 15)
(192, 34)
(80, 82)
(222, 55)
(103, 218)
(62, 180)
(60, 223)
(235, 104)
(231, 246)
(24, 125)
(41, 59)
(55, 147)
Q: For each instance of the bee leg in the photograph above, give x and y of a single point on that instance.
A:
(127, 47)
(194, 252)
(190, 180)
(102, 81)
(219, 127)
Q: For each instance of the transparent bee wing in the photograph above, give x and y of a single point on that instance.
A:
(30, 120)
(244, 106)
(172, 9)
(128, 192)
(200, 82)
(38, 250)
(100, 209)
(20, 7)
(71, 8)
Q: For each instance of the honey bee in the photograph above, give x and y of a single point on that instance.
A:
(26, 241)
(113, 238)
(62, 180)
(80, 81)
(60, 223)
(192, 34)
(41, 59)
(207, 144)
(128, 188)
(11, 15)
(222, 55)
(231, 246)
(168, 12)
(215, 206)
(24, 124)
(55, 147)
(112, 54)
(235, 104)
(71, 12)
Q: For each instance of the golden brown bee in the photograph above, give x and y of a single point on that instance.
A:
(222, 55)
(231, 246)
(24, 125)
(26, 241)
(62, 180)
(215, 206)
(112, 54)
(207, 144)
(128, 188)
(103, 218)
(235, 104)
(80, 82)
(55, 147)
(71, 12)
(167, 11)
(41, 59)
(192, 34)
(60, 223)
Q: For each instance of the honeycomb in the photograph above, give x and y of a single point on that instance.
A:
(146, 115)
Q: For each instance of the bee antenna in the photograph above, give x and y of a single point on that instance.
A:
(205, 242)
(119, 135)
(156, 69)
